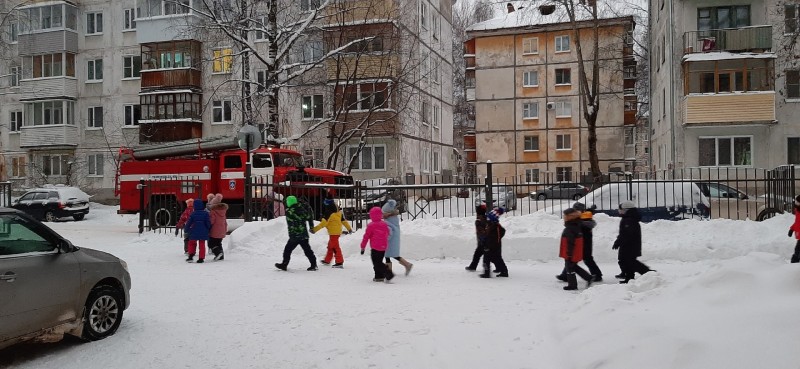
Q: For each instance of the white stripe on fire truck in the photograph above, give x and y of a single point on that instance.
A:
(232, 175)
(165, 176)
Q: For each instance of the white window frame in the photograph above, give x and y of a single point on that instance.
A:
(425, 113)
(260, 35)
(795, 19)
(564, 142)
(220, 105)
(530, 177)
(311, 110)
(426, 160)
(93, 114)
(93, 164)
(310, 5)
(569, 74)
(132, 67)
(261, 80)
(796, 84)
(129, 20)
(360, 97)
(436, 165)
(533, 139)
(62, 160)
(559, 41)
(15, 75)
(733, 151)
(563, 109)
(437, 116)
(435, 69)
(19, 167)
(528, 78)
(358, 167)
(530, 46)
(225, 68)
(564, 174)
(530, 110)
(313, 51)
(16, 120)
(91, 71)
(435, 28)
(129, 110)
(13, 32)
(95, 16)
(423, 15)
(63, 114)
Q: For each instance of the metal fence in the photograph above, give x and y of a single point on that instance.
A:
(5, 194)
(161, 202)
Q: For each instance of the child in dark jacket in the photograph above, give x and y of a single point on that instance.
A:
(493, 246)
(795, 229)
(297, 217)
(480, 234)
(629, 242)
(571, 249)
(182, 222)
(587, 227)
(198, 226)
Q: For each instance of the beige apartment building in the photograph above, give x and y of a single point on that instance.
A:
(522, 73)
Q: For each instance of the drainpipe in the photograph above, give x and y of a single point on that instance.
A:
(672, 84)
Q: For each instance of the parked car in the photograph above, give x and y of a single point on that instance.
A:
(731, 203)
(54, 203)
(566, 190)
(503, 196)
(671, 200)
(374, 197)
(50, 287)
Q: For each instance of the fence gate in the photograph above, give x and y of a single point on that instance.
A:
(161, 202)
(780, 191)
(5, 194)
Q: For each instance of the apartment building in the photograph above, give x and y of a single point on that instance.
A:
(522, 77)
(724, 84)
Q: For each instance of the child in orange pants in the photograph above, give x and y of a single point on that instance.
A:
(333, 222)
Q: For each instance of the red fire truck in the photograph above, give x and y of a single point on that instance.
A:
(179, 171)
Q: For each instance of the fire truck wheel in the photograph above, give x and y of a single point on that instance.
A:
(163, 213)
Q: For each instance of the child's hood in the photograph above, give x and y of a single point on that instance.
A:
(199, 205)
(375, 214)
(389, 206)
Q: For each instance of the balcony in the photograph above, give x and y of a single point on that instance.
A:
(162, 28)
(48, 88)
(741, 107)
(171, 78)
(49, 135)
(631, 104)
(748, 39)
(48, 42)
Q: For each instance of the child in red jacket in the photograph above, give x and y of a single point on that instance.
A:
(182, 222)
(572, 249)
(795, 228)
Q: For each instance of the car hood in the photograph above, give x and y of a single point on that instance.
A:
(97, 255)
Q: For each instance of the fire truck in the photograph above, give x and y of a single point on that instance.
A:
(175, 172)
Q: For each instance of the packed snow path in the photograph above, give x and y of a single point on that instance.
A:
(724, 296)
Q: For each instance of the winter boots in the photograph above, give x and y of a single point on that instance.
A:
(190, 258)
(312, 268)
(338, 266)
(219, 257)
(280, 266)
(572, 282)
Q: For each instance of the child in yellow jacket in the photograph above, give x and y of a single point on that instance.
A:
(333, 223)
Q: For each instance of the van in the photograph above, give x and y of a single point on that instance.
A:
(670, 200)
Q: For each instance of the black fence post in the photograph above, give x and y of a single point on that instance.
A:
(357, 196)
(488, 181)
(141, 188)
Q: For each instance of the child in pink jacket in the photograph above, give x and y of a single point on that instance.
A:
(219, 226)
(377, 234)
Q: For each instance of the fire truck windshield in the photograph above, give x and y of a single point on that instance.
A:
(277, 159)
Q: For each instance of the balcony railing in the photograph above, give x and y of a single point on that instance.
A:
(754, 39)
(49, 135)
(163, 78)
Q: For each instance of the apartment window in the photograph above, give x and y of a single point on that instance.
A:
(530, 111)
(94, 23)
(425, 113)
(530, 78)
(18, 166)
(47, 17)
(531, 175)
(437, 116)
(95, 163)
(312, 51)
(365, 96)
(307, 5)
(725, 76)
(55, 165)
(663, 49)
(435, 69)
(131, 66)
(49, 65)
(722, 17)
(436, 161)
(314, 158)
(792, 84)
(15, 76)
(13, 32)
(261, 79)
(261, 25)
(312, 107)
(221, 110)
(530, 46)
(223, 61)
(184, 106)
(562, 44)
(426, 160)
(563, 109)
(95, 70)
(49, 112)
(531, 143)
(791, 18)
(664, 103)
(371, 157)
(725, 151)
(793, 154)
(176, 7)
(16, 121)
(563, 76)
(133, 113)
(423, 15)
(171, 55)
(630, 133)
(129, 20)
(95, 117)
(564, 142)
(564, 174)
(435, 29)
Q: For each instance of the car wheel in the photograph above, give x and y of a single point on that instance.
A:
(103, 313)
(78, 217)
(576, 197)
(50, 216)
(541, 197)
(766, 214)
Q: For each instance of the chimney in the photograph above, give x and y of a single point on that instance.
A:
(510, 7)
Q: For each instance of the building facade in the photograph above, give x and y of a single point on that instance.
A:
(522, 73)
(724, 84)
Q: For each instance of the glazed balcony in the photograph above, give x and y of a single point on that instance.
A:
(756, 39)
(49, 135)
(171, 78)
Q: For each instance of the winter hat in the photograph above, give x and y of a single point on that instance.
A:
(291, 201)
(209, 197)
(389, 206)
(190, 202)
(494, 215)
(328, 202)
(216, 199)
(627, 205)
(571, 214)
(481, 210)
(579, 206)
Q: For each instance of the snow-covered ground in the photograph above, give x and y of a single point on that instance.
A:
(724, 296)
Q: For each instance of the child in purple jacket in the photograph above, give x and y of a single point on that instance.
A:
(377, 234)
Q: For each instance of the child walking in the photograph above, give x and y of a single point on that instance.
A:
(296, 218)
(333, 221)
(795, 228)
(571, 249)
(182, 222)
(493, 246)
(219, 226)
(392, 217)
(197, 226)
(377, 234)
(629, 242)
(480, 233)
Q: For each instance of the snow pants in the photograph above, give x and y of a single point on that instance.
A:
(476, 256)
(588, 259)
(630, 266)
(494, 256)
(572, 267)
(292, 244)
(381, 271)
(334, 250)
(193, 244)
(215, 245)
(796, 256)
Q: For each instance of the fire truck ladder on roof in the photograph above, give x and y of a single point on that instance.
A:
(178, 148)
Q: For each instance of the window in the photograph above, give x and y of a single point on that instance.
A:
(563, 142)
(722, 17)
(435, 161)
(129, 20)
(260, 26)
(47, 17)
(562, 44)
(315, 158)
(22, 237)
(371, 157)
(15, 76)
(365, 96)
(531, 143)
(312, 107)
(307, 5)
(55, 165)
(725, 76)
(94, 23)
(95, 117)
(221, 110)
(160, 106)
(792, 84)
(232, 162)
(530, 79)
(18, 166)
(791, 16)
(423, 15)
(261, 79)
(793, 152)
(223, 61)
(435, 26)
(425, 113)
(564, 174)
(435, 69)
(725, 151)
(563, 76)
(437, 116)
(171, 55)
(530, 46)
(426, 160)
(13, 32)
(563, 109)
(16, 121)
(530, 111)
(132, 115)
(49, 112)
(95, 70)
(95, 163)
(176, 7)
(312, 52)
(531, 175)
(630, 133)
(49, 65)
(131, 66)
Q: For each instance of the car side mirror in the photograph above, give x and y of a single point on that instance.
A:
(743, 196)
(65, 246)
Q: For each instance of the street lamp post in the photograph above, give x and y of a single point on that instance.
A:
(247, 140)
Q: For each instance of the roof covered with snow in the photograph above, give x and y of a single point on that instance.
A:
(531, 17)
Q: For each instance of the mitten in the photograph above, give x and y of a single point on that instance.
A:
(790, 233)
(362, 251)
(615, 247)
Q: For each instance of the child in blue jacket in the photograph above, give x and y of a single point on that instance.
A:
(198, 227)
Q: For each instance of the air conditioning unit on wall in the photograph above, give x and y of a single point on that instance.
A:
(551, 106)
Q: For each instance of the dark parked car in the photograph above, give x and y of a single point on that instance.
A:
(566, 190)
(373, 197)
(49, 287)
(53, 203)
